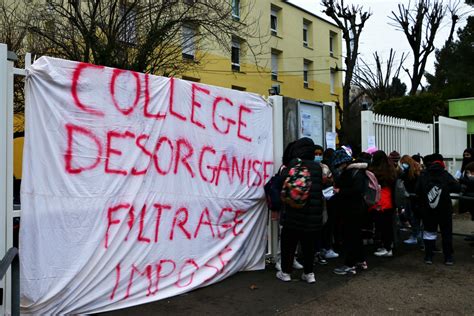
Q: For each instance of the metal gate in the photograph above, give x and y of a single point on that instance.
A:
(7, 213)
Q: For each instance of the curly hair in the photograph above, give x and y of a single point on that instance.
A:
(415, 168)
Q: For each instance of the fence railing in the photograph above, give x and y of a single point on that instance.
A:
(7, 213)
(391, 133)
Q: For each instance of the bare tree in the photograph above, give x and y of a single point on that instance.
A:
(166, 37)
(14, 35)
(375, 79)
(351, 20)
(420, 25)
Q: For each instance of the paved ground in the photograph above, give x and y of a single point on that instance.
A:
(399, 285)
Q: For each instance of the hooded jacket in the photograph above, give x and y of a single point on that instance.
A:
(436, 200)
(351, 184)
(310, 217)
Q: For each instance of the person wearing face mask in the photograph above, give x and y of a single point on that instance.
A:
(410, 171)
(467, 182)
(325, 249)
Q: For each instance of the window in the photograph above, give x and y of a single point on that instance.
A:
(238, 88)
(332, 43)
(332, 81)
(274, 66)
(236, 9)
(305, 34)
(235, 58)
(306, 66)
(274, 22)
(188, 44)
(128, 27)
(193, 79)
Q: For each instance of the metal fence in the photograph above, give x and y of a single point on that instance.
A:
(446, 136)
(451, 140)
(391, 133)
(7, 213)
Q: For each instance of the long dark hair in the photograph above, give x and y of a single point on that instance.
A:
(383, 168)
(466, 161)
(287, 153)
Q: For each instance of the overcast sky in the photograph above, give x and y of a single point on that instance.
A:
(378, 35)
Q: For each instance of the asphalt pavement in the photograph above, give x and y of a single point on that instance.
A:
(403, 284)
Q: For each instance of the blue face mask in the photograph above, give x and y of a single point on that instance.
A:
(405, 166)
(318, 158)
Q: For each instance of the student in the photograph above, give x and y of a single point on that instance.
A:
(394, 157)
(467, 182)
(285, 162)
(302, 224)
(410, 172)
(349, 188)
(324, 243)
(386, 175)
(433, 188)
(467, 157)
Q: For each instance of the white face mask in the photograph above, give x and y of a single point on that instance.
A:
(405, 166)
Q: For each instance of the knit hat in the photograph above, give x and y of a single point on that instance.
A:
(340, 157)
(348, 149)
(371, 150)
(394, 157)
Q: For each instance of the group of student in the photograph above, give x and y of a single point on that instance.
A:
(334, 209)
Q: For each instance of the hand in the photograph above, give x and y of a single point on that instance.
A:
(336, 190)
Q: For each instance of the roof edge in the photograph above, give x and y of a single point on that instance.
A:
(461, 99)
(310, 13)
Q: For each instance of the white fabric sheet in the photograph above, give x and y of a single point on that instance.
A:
(137, 187)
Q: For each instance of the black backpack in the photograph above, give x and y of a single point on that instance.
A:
(273, 191)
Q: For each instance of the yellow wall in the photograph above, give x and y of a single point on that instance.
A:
(216, 68)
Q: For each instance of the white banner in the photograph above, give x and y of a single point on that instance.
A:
(137, 187)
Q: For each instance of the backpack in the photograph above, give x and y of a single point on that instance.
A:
(296, 186)
(372, 189)
(400, 195)
(272, 192)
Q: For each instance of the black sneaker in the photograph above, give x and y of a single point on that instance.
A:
(469, 238)
(449, 261)
(362, 265)
(345, 270)
(320, 259)
(428, 260)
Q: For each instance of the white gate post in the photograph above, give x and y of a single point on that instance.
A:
(367, 128)
(6, 169)
(277, 105)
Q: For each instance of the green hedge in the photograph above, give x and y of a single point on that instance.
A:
(419, 108)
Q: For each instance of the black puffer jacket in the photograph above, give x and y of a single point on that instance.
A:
(350, 199)
(310, 217)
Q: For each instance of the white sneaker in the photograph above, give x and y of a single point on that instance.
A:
(309, 278)
(285, 277)
(297, 265)
(330, 254)
(411, 241)
(383, 253)
(278, 265)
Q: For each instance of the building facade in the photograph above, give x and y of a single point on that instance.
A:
(302, 55)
